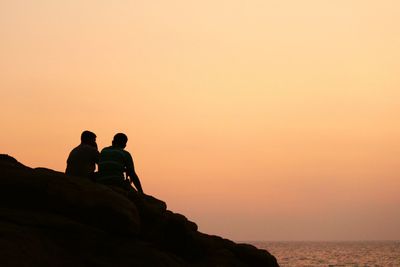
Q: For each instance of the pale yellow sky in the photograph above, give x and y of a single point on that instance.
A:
(259, 120)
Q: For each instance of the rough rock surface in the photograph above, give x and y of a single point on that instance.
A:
(49, 219)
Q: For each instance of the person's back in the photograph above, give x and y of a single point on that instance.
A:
(114, 162)
(83, 158)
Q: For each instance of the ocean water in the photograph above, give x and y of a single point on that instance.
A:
(343, 254)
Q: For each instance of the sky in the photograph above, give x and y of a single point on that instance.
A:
(258, 120)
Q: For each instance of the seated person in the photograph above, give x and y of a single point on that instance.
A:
(114, 162)
(83, 158)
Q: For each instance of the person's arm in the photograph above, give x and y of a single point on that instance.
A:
(130, 171)
(135, 179)
(96, 156)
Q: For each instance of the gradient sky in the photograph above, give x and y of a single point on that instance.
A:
(259, 120)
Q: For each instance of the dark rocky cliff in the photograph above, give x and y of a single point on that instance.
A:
(49, 219)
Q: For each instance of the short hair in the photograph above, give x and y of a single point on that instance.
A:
(87, 136)
(120, 139)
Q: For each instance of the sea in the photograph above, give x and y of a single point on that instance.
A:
(334, 254)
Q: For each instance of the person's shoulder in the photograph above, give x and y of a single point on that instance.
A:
(107, 148)
(127, 156)
(73, 153)
(126, 152)
(76, 149)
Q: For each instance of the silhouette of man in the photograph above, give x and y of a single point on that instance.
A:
(83, 158)
(114, 162)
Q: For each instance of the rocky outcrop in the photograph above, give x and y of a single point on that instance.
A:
(49, 219)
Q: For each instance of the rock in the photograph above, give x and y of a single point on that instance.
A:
(49, 219)
(40, 190)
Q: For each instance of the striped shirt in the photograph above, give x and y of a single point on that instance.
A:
(113, 163)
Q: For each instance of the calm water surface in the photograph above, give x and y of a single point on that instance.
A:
(344, 254)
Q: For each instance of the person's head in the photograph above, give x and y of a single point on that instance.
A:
(120, 140)
(88, 138)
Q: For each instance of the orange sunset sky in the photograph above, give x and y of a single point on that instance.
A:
(259, 120)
